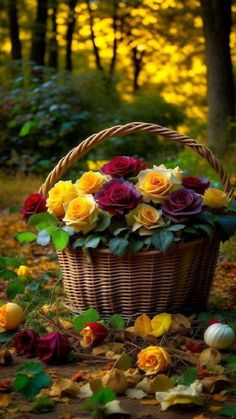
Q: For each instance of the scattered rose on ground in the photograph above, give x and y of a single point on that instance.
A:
(25, 342)
(53, 348)
(11, 316)
(153, 359)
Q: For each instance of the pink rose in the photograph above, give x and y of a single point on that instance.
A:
(118, 197)
(53, 348)
(34, 203)
(123, 166)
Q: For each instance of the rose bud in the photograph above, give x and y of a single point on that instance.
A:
(11, 316)
(93, 334)
(23, 270)
(53, 348)
(33, 204)
(25, 342)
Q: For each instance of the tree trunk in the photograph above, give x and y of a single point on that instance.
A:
(115, 40)
(216, 16)
(137, 58)
(14, 30)
(93, 37)
(38, 47)
(69, 34)
(53, 47)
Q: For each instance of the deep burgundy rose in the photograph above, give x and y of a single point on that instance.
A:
(123, 166)
(25, 342)
(118, 197)
(34, 203)
(53, 348)
(182, 205)
(197, 183)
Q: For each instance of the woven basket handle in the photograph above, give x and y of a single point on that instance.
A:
(120, 130)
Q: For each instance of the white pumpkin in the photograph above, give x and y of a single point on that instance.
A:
(219, 336)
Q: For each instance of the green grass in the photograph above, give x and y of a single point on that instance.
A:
(13, 190)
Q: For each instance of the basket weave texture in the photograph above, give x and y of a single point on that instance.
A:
(149, 281)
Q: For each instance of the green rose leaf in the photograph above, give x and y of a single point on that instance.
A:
(43, 217)
(176, 227)
(15, 288)
(60, 239)
(78, 243)
(14, 262)
(228, 225)
(26, 237)
(7, 274)
(104, 222)
(90, 315)
(103, 396)
(118, 246)
(31, 378)
(116, 321)
(21, 381)
(91, 242)
(162, 240)
(207, 228)
(187, 378)
(228, 411)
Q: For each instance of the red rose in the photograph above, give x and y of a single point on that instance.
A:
(92, 334)
(118, 197)
(25, 342)
(198, 184)
(53, 348)
(34, 203)
(123, 166)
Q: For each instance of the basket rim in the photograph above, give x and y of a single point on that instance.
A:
(178, 245)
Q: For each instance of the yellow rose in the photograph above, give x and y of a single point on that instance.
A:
(11, 316)
(153, 360)
(90, 182)
(82, 213)
(144, 218)
(157, 183)
(215, 198)
(23, 270)
(59, 195)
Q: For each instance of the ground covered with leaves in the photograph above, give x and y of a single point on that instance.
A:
(69, 366)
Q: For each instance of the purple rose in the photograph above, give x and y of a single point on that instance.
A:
(123, 166)
(182, 205)
(53, 348)
(198, 183)
(118, 197)
(25, 342)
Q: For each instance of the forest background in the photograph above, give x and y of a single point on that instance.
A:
(70, 68)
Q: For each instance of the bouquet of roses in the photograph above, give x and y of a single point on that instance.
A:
(128, 207)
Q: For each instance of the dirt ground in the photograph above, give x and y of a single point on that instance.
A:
(74, 408)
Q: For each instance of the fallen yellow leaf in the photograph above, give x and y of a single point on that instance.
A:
(142, 326)
(201, 417)
(215, 408)
(161, 324)
(150, 402)
(5, 400)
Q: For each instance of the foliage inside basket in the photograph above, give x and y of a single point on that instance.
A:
(128, 207)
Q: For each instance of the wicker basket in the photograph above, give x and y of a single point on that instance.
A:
(148, 281)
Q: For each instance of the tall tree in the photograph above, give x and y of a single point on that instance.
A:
(38, 46)
(69, 33)
(93, 37)
(53, 47)
(216, 16)
(14, 30)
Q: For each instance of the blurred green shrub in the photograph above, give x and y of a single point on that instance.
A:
(42, 118)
